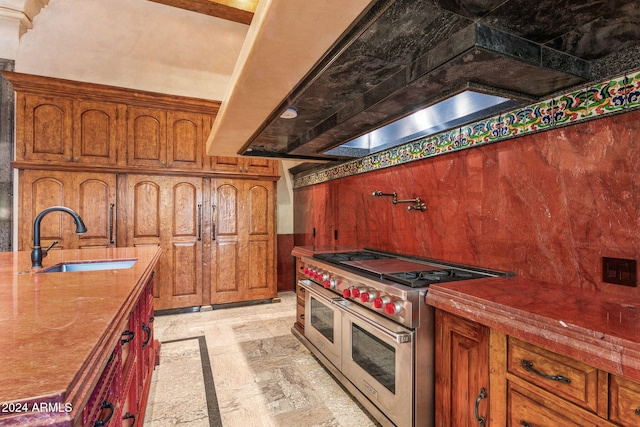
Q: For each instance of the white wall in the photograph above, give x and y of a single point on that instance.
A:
(136, 44)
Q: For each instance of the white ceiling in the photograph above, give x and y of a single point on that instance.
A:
(135, 44)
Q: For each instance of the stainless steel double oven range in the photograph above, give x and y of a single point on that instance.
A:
(367, 322)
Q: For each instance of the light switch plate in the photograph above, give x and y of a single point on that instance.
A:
(619, 271)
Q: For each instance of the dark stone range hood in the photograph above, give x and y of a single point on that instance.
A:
(404, 55)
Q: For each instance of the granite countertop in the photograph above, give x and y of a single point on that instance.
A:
(593, 327)
(58, 329)
(300, 251)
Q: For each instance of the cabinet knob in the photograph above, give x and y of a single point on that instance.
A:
(68, 158)
(76, 159)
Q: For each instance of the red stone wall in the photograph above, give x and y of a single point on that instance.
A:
(546, 206)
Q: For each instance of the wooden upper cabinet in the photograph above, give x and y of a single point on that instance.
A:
(43, 128)
(185, 137)
(245, 165)
(57, 129)
(164, 139)
(95, 132)
(147, 137)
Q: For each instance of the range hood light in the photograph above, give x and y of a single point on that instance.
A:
(290, 113)
(457, 110)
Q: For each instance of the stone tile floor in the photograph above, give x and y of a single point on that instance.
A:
(263, 375)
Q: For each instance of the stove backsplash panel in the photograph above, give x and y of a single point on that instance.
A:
(547, 206)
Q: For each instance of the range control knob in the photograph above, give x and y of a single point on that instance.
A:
(355, 292)
(368, 295)
(393, 308)
(380, 302)
(333, 283)
(325, 277)
(346, 293)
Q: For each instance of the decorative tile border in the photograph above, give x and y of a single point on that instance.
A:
(611, 97)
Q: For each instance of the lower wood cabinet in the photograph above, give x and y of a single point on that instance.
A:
(300, 297)
(91, 195)
(120, 395)
(462, 371)
(523, 384)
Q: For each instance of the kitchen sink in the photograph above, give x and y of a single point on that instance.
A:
(74, 266)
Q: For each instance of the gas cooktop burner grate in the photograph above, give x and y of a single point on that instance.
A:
(350, 256)
(418, 279)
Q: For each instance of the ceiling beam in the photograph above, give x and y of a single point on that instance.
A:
(219, 9)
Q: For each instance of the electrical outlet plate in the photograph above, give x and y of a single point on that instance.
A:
(619, 271)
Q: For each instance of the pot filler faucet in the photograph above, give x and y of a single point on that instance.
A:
(37, 253)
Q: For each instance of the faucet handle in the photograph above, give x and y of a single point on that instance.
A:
(55, 242)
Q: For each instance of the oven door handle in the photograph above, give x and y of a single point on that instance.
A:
(398, 337)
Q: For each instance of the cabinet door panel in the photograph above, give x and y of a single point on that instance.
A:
(258, 210)
(526, 407)
(226, 164)
(184, 140)
(462, 370)
(95, 132)
(226, 271)
(90, 195)
(182, 216)
(167, 211)
(145, 211)
(186, 271)
(47, 127)
(243, 247)
(258, 276)
(41, 191)
(260, 245)
(260, 166)
(226, 210)
(624, 402)
(95, 203)
(147, 137)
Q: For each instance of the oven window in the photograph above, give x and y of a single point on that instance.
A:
(374, 356)
(322, 318)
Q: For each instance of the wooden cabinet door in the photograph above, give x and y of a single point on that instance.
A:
(243, 241)
(184, 140)
(462, 371)
(94, 198)
(147, 137)
(43, 128)
(260, 166)
(226, 164)
(91, 195)
(167, 211)
(245, 165)
(95, 132)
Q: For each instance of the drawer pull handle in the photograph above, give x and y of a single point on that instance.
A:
(524, 423)
(147, 331)
(129, 416)
(529, 367)
(482, 395)
(637, 411)
(105, 405)
(302, 318)
(129, 337)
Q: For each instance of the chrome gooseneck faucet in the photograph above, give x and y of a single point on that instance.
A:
(37, 253)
